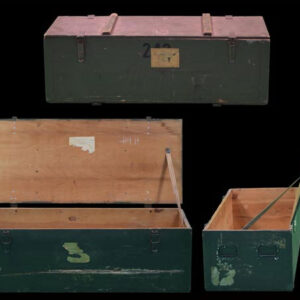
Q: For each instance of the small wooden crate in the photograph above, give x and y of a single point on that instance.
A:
(68, 229)
(261, 258)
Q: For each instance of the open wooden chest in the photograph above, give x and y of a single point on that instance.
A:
(76, 209)
(263, 257)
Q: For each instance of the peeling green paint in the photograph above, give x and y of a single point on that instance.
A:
(228, 279)
(223, 274)
(215, 276)
(280, 243)
(74, 249)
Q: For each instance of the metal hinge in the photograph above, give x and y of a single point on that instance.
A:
(232, 48)
(80, 48)
(5, 240)
(154, 240)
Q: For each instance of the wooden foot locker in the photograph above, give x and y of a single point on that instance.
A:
(247, 247)
(63, 223)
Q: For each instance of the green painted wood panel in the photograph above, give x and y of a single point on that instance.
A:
(296, 236)
(118, 70)
(251, 260)
(110, 260)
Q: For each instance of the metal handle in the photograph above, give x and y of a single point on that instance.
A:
(267, 251)
(228, 251)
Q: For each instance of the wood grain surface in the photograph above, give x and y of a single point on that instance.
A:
(37, 164)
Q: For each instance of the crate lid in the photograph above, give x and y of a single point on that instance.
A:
(171, 26)
(89, 161)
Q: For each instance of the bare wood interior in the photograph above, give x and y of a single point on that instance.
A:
(239, 206)
(127, 163)
(89, 218)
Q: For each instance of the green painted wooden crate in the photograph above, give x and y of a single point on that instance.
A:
(111, 59)
(53, 246)
(261, 258)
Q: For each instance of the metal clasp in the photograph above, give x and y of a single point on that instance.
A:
(154, 240)
(80, 48)
(232, 48)
(6, 241)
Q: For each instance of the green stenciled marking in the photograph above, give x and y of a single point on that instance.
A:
(74, 249)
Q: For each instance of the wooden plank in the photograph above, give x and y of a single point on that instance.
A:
(261, 194)
(88, 218)
(223, 217)
(127, 164)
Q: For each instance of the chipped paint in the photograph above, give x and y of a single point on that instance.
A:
(215, 276)
(86, 143)
(248, 268)
(74, 249)
(115, 271)
(280, 243)
(223, 274)
(221, 101)
(228, 279)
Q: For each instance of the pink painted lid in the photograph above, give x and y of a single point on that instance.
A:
(170, 26)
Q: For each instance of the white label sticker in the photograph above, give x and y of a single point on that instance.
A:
(86, 143)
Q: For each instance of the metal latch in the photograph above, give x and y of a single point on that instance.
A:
(80, 48)
(6, 240)
(232, 48)
(154, 240)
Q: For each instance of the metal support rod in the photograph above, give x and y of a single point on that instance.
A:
(259, 215)
(174, 183)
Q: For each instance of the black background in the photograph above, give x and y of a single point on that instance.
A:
(224, 147)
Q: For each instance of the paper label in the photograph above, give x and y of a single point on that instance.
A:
(164, 58)
(86, 143)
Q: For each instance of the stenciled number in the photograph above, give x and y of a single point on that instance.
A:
(147, 47)
(76, 254)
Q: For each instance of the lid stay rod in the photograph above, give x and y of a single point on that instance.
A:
(259, 215)
(174, 183)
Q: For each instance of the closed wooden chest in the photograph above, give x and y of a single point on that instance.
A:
(261, 258)
(174, 59)
(64, 225)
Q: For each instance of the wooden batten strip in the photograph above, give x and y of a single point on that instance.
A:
(108, 28)
(206, 24)
(92, 218)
